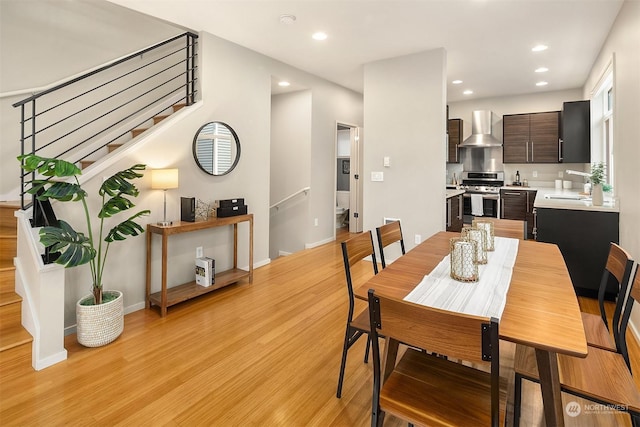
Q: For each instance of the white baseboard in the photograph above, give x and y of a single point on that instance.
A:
(320, 243)
(284, 253)
(39, 365)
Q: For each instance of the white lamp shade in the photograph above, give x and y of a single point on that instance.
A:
(164, 179)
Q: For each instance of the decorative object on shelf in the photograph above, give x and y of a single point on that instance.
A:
(204, 210)
(230, 207)
(478, 236)
(188, 209)
(205, 271)
(216, 148)
(463, 252)
(164, 179)
(487, 226)
(75, 248)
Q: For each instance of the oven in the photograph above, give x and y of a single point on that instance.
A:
(487, 185)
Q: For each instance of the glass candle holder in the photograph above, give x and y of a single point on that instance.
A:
(487, 226)
(463, 260)
(478, 236)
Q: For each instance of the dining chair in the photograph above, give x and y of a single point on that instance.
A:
(596, 328)
(355, 250)
(388, 234)
(604, 377)
(513, 228)
(428, 389)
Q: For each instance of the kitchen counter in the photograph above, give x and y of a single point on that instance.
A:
(553, 198)
(454, 192)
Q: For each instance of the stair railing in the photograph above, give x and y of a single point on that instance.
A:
(277, 205)
(84, 115)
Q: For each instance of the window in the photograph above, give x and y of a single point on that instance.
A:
(602, 136)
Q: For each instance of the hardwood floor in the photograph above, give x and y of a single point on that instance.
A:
(265, 354)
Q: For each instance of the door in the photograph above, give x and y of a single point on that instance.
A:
(355, 202)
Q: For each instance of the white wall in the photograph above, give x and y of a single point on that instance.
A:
(290, 170)
(624, 42)
(405, 115)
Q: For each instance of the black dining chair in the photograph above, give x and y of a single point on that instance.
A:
(355, 250)
(388, 234)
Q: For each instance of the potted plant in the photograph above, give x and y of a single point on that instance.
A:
(597, 182)
(101, 309)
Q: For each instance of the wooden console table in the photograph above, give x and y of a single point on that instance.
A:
(177, 294)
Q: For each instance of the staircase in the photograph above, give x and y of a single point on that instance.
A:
(137, 132)
(15, 341)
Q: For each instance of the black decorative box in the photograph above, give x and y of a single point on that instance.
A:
(229, 203)
(223, 212)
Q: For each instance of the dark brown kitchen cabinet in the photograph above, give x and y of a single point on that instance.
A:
(531, 138)
(454, 213)
(576, 132)
(518, 204)
(454, 130)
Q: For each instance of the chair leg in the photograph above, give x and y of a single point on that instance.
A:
(343, 363)
(366, 352)
(517, 400)
(635, 419)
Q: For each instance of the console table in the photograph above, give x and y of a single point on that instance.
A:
(177, 294)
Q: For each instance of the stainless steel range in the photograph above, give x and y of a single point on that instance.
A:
(487, 185)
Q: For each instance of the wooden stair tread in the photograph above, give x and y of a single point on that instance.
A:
(6, 265)
(13, 336)
(9, 298)
(596, 333)
(158, 119)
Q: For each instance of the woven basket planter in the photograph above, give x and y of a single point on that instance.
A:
(98, 325)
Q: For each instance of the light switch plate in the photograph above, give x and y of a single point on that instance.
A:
(377, 176)
(386, 162)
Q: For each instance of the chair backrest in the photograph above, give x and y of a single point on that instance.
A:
(633, 295)
(619, 265)
(388, 234)
(456, 335)
(354, 250)
(512, 228)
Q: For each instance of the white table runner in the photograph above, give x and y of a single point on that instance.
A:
(486, 297)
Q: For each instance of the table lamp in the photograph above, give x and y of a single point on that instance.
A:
(164, 179)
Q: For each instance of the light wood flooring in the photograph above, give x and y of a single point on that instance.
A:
(265, 354)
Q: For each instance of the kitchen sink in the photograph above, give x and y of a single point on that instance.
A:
(566, 197)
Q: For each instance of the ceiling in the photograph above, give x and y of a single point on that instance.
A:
(488, 42)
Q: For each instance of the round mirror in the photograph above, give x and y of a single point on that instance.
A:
(216, 148)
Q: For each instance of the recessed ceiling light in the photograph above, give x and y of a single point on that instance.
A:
(542, 70)
(467, 92)
(319, 36)
(539, 48)
(456, 82)
(542, 84)
(284, 83)
(287, 19)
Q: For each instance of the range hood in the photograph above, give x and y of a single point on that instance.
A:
(481, 126)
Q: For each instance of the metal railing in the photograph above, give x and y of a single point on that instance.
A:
(81, 117)
(289, 197)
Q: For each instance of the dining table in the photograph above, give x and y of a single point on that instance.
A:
(541, 308)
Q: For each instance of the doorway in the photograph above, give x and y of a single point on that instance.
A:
(348, 189)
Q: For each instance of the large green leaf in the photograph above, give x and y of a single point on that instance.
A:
(75, 248)
(62, 191)
(114, 206)
(126, 228)
(48, 167)
(119, 182)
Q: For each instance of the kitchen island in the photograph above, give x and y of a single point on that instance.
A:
(583, 233)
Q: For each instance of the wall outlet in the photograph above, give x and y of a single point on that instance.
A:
(315, 222)
(377, 176)
(418, 239)
(560, 174)
(199, 253)
(535, 174)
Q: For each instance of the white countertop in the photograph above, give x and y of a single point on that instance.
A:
(454, 192)
(572, 199)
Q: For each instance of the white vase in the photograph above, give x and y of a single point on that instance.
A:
(98, 325)
(597, 196)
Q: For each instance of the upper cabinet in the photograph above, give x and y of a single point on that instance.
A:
(531, 138)
(576, 132)
(454, 131)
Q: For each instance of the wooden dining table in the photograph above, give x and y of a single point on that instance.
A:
(541, 309)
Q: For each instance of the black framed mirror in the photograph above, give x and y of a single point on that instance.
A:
(216, 148)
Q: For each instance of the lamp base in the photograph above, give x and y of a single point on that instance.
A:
(165, 223)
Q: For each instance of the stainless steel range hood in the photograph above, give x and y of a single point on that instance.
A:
(481, 131)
